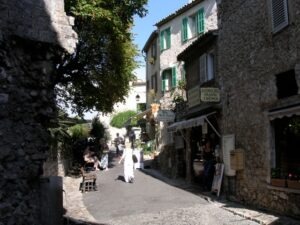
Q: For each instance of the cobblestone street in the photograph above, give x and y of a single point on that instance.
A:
(152, 201)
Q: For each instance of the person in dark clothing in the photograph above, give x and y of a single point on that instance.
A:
(117, 141)
(209, 165)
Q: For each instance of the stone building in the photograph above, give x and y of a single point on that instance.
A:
(33, 35)
(164, 72)
(201, 118)
(258, 65)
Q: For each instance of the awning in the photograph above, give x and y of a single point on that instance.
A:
(284, 112)
(194, 122)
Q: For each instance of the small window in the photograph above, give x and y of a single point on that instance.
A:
(153, 50)
(286, 84)
(168, 79)
(154, 82)
(206, 67)
(279, 12)
(192, 25)
(165, 39)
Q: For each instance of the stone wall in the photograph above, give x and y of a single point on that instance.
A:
(249, 58)
(40, 20)
(26, 107)
(33, 35)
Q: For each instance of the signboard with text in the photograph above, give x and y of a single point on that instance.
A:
(209, 94)
(194, 96)
(165, 116)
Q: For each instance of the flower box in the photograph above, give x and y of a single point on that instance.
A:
(278, 182)
(294, 184)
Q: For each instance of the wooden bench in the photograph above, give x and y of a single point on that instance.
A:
(88, 181)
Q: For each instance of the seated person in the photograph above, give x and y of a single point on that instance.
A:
(90, 158)
(104, 156)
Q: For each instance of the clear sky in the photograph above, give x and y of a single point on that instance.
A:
(143, 27)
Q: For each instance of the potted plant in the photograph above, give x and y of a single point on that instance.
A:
(276, 178)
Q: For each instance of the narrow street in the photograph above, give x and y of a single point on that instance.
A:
(147, 201)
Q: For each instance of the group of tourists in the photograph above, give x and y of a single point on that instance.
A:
(91, 157)
(99, 160)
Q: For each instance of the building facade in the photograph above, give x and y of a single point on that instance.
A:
(164, 73)
(258, 64)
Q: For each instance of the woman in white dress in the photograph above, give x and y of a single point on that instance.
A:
(128, 163)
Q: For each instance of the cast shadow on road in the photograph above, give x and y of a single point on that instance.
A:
(71, 221)
(121, 178)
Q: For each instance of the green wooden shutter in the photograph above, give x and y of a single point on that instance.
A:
(168, 38)
(200, 21)
(174, 77)
(162, 47)
(163, 82)
(184, 30)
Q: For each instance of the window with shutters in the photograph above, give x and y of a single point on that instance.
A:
(165, 39)
(153, 50)
(279, 14)
(206, 67)
(154, 82)
(169, 79)
(192, 25)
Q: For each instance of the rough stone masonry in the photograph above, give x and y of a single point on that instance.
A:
(32, 37)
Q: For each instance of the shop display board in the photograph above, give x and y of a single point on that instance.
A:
(228, 144)
(217, 181)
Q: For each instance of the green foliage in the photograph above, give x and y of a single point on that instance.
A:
(97, 75)
(148, 147)
(60, 139)
(79, 131)
(98, 130)
(121, 118)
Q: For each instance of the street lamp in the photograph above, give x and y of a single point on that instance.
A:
(137, 98)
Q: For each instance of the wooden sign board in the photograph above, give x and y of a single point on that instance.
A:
(193, 96)
(165, 116)
(210, 94)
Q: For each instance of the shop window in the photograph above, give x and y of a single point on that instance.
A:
(286, 84)
(287, 142)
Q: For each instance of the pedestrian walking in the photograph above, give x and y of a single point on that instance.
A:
(132, 137)
(128, 163)
(118, 141)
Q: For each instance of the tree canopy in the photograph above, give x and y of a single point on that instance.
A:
(97, 75)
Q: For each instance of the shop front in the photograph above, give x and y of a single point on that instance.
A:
(201, 139)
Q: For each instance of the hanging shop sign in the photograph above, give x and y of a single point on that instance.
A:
(209, 94)
(165, 116)
(193, 96)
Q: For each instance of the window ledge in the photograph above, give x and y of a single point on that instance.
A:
(289, 190)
